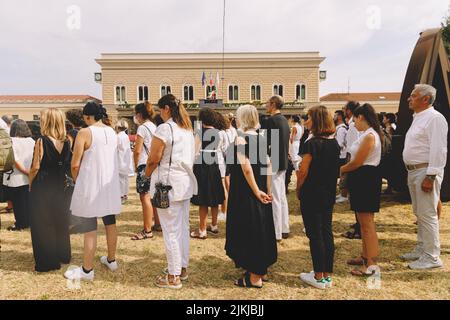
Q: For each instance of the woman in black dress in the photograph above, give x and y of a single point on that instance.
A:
(211, 193)
(316, 190)
(50, 194)
(250, 235)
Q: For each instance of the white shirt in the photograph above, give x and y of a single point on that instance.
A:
(3, 125)
(23, 149)
(145, 131)
(426, 141)
(352, 135)
(374, 157)
(126, 167)
(341, 136)
(180, 177)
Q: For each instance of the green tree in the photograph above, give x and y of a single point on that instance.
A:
(446, 32)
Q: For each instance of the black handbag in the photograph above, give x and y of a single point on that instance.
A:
(161, 196)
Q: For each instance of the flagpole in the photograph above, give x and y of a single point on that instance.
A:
(223, 48)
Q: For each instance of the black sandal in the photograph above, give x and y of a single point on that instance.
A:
(351, 235)
(142, 235)
(245, 282)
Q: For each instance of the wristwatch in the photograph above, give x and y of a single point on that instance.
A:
(431, 177)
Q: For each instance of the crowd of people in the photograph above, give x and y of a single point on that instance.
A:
(237, 167)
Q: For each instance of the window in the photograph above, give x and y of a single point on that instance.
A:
(233, 93)
(255, 92)
(15, 116)
(142, 93)
(210, 89)
(36, 117)
(165, 90)
(278, 90)
(300, 92)
(188, 93)
(120, 94)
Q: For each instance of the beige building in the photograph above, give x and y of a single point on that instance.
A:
(237, 78)
(381, 101)
(28, 107)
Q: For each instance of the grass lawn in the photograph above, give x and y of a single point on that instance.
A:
(212, 273)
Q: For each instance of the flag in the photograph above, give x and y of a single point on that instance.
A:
(217, 79)
(211, 82)
(203, 79)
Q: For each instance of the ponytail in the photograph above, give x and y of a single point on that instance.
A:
(177, 110)
(146, 110)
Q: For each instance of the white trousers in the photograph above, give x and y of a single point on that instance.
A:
(425, 208)
(279, 204)
(124, 185)
(175, 227)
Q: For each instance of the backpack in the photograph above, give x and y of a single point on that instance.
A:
(6, 152)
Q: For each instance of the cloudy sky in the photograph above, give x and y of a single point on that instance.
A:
(46, 49)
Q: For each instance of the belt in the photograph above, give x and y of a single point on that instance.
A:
(411, 167)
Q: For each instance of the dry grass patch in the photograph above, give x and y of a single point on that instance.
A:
(212, 273)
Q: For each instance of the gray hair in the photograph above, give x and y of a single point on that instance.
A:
(248, 118)
(426, 90)
(8, 119)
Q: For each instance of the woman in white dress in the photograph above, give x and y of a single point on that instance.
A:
(126, 169)
(296, 136)
(95, 170)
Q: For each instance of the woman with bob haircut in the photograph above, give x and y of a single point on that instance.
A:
(316, 190)
(50, 196)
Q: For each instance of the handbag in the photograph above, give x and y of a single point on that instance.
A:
(161, 196)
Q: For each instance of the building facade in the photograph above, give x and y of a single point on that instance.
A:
(29, 107)
(387, 102)
(237, 78)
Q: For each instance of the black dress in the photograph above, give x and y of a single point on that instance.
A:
(250, 233)
(50, 201)
(207, 172)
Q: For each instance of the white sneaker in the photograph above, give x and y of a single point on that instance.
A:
(425, 262)
(222, 216)
(113, 266)
(413, 255)
(341, 199)
(309, 279)
(79, 274)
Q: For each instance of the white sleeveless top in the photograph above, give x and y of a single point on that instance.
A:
(97, 190)
(299, 134)
(374, 157)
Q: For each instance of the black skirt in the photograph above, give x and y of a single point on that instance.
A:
(364, 185)
(210, 187)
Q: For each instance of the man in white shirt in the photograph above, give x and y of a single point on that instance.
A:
(425, 157)
(341, 138)
(352, 136)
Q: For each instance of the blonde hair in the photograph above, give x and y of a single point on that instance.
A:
(122, 125)
(248, 117)
(53, 124)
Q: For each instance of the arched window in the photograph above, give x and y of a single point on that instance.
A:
(278, 90)
(300, 92)
(142, 93)
(188, 93)
(165, 89)
(233, 93)
(121, 94)
(255, 92)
